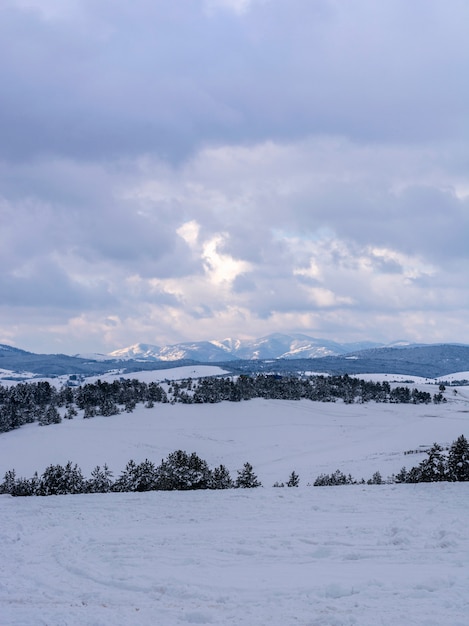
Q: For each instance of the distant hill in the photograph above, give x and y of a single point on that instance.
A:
(16, 360)
(274, 346)
(274, 353)
(428, 361)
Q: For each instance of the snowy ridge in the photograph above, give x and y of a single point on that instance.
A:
(274, 346)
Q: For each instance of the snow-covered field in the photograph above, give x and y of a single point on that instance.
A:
(362, 555)
(276, 436)
(322, 556)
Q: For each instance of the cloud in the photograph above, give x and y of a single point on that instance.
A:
(177, 171)
(106, 79)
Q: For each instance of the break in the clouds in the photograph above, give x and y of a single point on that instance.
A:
(202, 169)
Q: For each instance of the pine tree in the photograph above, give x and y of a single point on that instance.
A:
(58, 480)
(9, 481)
(100, 481)
(434, 468)
(247, 479)
(181, 471)
(145, 476)
(127, 479)
(376, 479)
(51, 416)
(294, 480)
(458, 460)
(221, 478)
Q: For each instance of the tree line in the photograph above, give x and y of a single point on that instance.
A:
(181, 471)
(41, 402)
(450, 465)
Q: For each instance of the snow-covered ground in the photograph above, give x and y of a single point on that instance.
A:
(314, 556)
(332, 556)
(276, 436)
(9, 378)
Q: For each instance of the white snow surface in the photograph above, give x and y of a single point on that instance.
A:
(276, 436)
(332, 556)
(314, 556)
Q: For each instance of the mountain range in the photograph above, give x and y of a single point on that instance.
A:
(274, 346)
(272, 353)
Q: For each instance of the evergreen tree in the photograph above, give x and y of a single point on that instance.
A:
(401, 476)
(9, 481)
(376, 479)
(181, 471)
(434, 468)
(221, 478)
(51, 416)
(458, 460)
(71, 412)
(247, 479)
(58, 480)
(146, 477)
(127, 479)
(332, 480)
(100, 481)
(294, 480)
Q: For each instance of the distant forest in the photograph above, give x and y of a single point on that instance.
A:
(41, 402)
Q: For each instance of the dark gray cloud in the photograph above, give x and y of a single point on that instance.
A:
(119, 78)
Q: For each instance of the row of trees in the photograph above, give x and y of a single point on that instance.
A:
(179, 471)
(40, 402)
(440, 465)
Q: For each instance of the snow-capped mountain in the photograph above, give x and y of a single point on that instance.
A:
(137, 351)
(274, 346)
(270, 353)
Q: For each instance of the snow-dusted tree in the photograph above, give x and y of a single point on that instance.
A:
(293, 480)
(58, 480)
(458, 460)
(9, 481)
(247, 479)
(108, 407)
(181, 471)
(127, 479)
(221, 478)
(51, 416)
(100, 481)
(146, 476)
(331, 480)
(433, 468)
(71, 412)
(376, 479)
(401, 476)
(89, 411)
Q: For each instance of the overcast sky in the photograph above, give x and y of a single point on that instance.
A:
(177, 170)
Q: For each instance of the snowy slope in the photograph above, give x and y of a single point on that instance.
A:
(276, 436)
(325, 556)
(337, 556)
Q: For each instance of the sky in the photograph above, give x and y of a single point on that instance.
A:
(203, 169)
